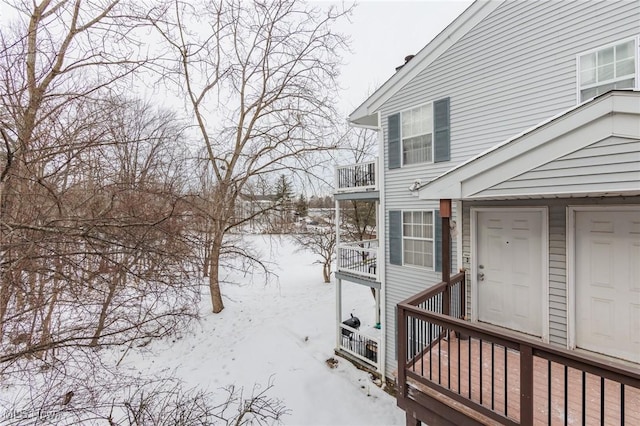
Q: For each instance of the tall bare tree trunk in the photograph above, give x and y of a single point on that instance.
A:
(214, 271)
(326, 272)
(5, 295)
(7, 255)
(45, 336)
(113, 285)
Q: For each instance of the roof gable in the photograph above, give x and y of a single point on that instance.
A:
(606, 127)
(366, 114)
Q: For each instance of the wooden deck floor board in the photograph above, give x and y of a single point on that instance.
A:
(459, 370)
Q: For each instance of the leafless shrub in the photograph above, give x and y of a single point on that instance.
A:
(319, 240)
(133, 400)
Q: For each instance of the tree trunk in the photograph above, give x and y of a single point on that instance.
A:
(45, 336)
(326, 272)
(214, 271)
(105, 308)
(5, 296)
(205, 262)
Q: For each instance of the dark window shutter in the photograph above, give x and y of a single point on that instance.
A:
(441, 130)
(393, 142)
(395, 237)
(437, 239)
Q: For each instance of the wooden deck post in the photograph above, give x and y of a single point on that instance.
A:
(401, 344)
(445, 216)
(526, 385)
(411, 420)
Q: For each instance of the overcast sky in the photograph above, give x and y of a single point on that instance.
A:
(382, 34)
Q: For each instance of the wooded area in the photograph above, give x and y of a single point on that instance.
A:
(112, 202)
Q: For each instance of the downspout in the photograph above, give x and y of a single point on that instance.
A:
(460, 261)
(382, 242)
(338, 280)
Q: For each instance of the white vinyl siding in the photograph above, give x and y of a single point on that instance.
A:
(417, 238)
(510, 72)
(607, 68)
(417, 135)
(558, 274)
(610, 165)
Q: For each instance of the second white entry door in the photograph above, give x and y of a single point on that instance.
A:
(607, 283)
(509, 269)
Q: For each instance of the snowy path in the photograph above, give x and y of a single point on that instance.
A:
(283, 330)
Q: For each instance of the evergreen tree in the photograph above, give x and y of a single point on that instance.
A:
(302, 206)
(283, 190)
(283, 194)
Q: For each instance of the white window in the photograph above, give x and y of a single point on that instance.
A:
(417, 135)
(611, 67)
(417, 238)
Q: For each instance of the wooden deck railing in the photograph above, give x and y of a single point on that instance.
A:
(356, 177)
(502, 376)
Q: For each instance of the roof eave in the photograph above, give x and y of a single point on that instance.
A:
(366, 121)
(451, 184)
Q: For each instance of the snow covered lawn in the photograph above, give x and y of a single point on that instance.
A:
(283, 331)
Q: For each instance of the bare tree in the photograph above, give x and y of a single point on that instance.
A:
(52, 61)
(102, 255)
(360, 145)
(96, 222)
(91, 235)
(139, 400)
(319, 240)
(171, 405)
(260, 80)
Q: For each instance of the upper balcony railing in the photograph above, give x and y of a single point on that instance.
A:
(360, 177)
(359, 258)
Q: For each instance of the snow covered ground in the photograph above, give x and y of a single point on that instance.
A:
(282, 331)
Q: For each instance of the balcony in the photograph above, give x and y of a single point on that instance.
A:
(362, 345)
(452, 371)
(354, 178)
(359, 258)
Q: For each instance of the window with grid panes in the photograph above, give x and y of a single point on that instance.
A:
(417, 238)
(612, 67)
(417, 135)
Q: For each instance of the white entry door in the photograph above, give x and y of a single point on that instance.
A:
(607, 282)
(509, 269)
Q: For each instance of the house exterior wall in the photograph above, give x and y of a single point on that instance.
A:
(557, 250)
(512, 71)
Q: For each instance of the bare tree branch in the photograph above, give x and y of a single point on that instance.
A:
(261, 85)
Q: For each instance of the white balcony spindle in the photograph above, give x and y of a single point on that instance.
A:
(356, 177)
